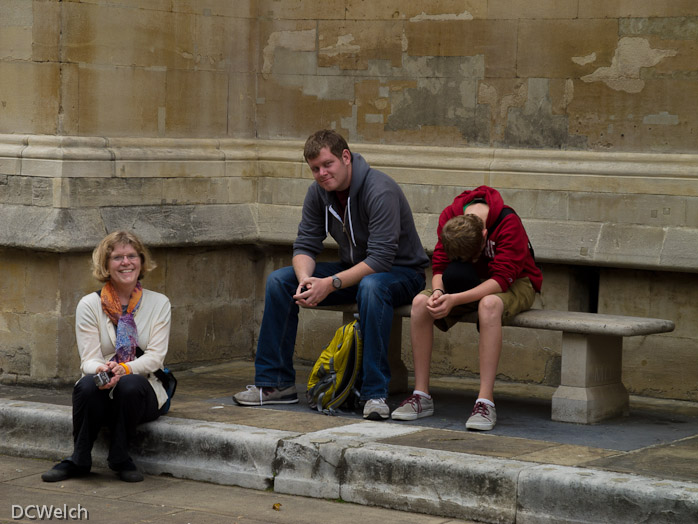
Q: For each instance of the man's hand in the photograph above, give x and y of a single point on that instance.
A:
(439, 305)
(313, 290)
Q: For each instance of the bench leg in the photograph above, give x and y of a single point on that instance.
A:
(398, 370)
(591, 389)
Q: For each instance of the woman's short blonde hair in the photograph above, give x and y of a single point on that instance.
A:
(101, 254)
(462, 237)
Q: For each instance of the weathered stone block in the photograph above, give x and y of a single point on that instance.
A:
(611, 115)
(495, 39)
(42, 331)
(415, 10)
(282, 191)
(29, 110)
(551, 205)
(651, 294)
(293, 10)
(234, 190)
(215, 8)
(220, 332)
(195, 103)
(241, 104)
(429, 198)
(68, 358)
(16, 30)
(122, 36)
(278, 224)
(680, 249)
(636, 8)
(523, 10)
(283, 170)
(15, 343)
(26, 191)
(350, 44)
(548, 48)
(289, 113)
(618, 241)
(291, 36)
(661, 366)
(654, 210)
(208, 276)
(122, 101)
(189, 190)
(46, 32)
(16, 42)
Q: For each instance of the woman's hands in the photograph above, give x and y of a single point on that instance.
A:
(116, 370)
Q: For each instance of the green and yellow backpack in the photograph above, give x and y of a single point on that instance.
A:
(336, 376)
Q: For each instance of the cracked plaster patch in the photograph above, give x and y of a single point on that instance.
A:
(488, 94)
(423, 17)
(294, 40)
(343, 46)
(584, 60)
(632, 54)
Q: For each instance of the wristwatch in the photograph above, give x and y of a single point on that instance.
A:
(336, 282)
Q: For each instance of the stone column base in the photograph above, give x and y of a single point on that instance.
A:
(591, 404)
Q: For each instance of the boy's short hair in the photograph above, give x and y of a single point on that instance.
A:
(324, 138)
(462, 238)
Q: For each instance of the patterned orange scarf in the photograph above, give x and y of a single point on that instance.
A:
(126, 330)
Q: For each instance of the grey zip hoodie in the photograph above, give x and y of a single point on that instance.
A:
(377, 227)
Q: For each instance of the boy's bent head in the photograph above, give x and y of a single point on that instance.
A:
(324, 138)
(462, 237)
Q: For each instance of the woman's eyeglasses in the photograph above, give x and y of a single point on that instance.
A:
(120, 258)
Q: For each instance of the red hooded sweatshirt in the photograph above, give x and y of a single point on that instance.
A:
(506, 256)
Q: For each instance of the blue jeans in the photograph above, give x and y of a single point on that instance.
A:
(376, 296)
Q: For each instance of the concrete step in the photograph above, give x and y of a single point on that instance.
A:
(355, 462)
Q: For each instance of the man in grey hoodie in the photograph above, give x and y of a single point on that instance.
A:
(382, 263)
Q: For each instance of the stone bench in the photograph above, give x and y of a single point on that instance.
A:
(591, 388)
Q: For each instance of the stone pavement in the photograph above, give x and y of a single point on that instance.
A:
(529, 469)
(166, 500)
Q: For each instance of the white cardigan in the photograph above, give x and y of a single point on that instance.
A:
(96, 336)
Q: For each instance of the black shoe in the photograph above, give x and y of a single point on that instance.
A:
(64, 470)
(130, 475)
(127, 471)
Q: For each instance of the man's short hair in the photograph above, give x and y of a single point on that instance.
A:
(462, 238)
(324, 138)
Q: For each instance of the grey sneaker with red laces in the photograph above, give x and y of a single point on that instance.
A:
(483, 417)
(414, 407)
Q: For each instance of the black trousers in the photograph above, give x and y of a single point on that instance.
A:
(133, 403)
(460, 276)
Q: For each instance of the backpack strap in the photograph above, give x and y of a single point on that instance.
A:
(505, 212)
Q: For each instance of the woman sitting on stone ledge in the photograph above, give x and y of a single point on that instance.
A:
(112, 326)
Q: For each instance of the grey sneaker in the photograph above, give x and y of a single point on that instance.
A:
(376, 409)
(258, 396)
(483, 417)
(414, 407)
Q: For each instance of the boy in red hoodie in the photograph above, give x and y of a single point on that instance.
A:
(482, 262)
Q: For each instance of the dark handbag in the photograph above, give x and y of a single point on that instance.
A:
(169, 382)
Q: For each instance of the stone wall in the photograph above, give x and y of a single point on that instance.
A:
(184, 120)
(604, 75)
